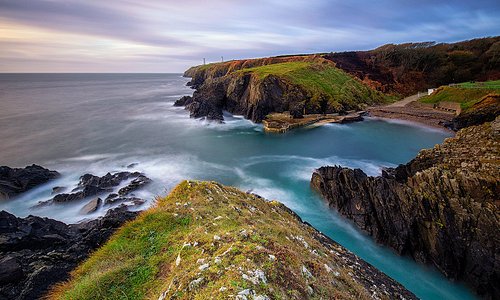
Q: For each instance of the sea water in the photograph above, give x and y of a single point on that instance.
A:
(99, 123)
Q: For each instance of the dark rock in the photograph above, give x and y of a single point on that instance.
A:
(135, 184)
(128, 201)
(91, 207)
(440, 208)
(10, 270)
(14, 181)
(132, 165)
(91, 186)
(58, 189)
(36, 253)
(88, 191)
(185, 100)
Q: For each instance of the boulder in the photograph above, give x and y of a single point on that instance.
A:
(91, 206)
(14, 181)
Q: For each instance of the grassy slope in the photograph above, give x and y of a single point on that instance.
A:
(235, 233)
(322, 80)
(467, 94)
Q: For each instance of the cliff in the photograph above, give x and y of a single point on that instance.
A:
(206, 240)
(254, 88)
(441, 207)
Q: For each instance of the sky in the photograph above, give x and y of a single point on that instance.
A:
(170, 36)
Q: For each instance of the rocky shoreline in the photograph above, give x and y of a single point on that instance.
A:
(36, 253)
(441, 208)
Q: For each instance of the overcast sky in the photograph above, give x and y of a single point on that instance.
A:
(170, 36)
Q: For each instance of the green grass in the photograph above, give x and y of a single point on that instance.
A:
(492, 84)
(323, 81)
(140, 260)
(467, 94)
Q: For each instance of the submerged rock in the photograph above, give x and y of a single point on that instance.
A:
(440, 208)
(36, 253)
(14, 181)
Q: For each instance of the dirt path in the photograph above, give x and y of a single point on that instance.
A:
(407, 100)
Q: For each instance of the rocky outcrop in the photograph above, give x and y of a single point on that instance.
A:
(206, 240)
(238, 88)
(247, 95)
(486, 110)
(36, 253)
(109, 184)
(14, 181)
(440, 208)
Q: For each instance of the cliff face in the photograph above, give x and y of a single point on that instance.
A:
(441, 208)
(485, 110)
(208, 241)
(254, 88)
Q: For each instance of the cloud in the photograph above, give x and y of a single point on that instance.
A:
(169, 36)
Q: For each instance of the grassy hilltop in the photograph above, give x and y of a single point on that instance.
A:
(207, 241)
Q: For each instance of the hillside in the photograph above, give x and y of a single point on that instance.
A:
(405, 69)
(479, 102)
(206, 241)
(255, 88)
(441, 208)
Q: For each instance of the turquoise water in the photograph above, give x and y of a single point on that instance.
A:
(78, 123)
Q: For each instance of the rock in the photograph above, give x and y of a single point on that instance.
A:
(58, 189)
(91, 186)
(36, 253)
(306, 273)
(91, 206)
(10, 270)
(14, 181)
(193, 285)
(183, 101)
(486, 110)
(136, 184)
(204, 267)
(440, 208)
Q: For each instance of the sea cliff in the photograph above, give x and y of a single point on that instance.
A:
(441, 208)
(254, 88)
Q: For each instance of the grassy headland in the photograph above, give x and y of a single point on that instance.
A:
(206, 240)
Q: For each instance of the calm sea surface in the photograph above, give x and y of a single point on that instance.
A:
(99, 123)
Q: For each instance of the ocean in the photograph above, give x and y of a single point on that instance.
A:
(99, 123)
